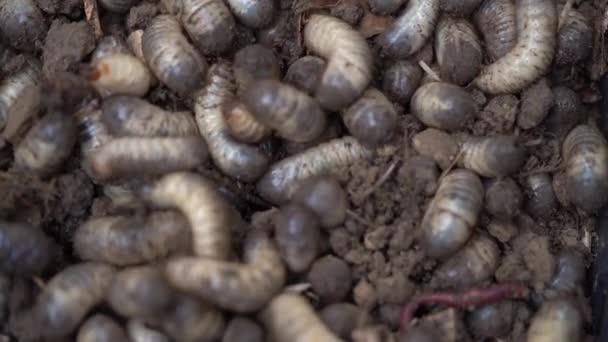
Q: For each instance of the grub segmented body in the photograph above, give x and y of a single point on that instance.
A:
(20, 93)
(253, 13)
(371, 119)
(497, 23)
(492, 156)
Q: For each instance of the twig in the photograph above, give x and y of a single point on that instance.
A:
(385, 176)
(92, 15)
(358, 218)
(472, 297)
(429, 71)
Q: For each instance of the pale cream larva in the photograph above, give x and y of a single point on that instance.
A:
(120, 73)
(20, 94)
(492, 156)
(531, 57)
(349, 60)
(557, 320)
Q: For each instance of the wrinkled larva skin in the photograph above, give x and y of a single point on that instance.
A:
(209, 23)
(279, 183)
(493, 156)
(22, 24)
(20, 94)
(290, 318)
(233, 286)
(557, 320)
(109, 45)
(531, 56)
(254, 62)
(122, 241)
(253, 13)
(349, 60)
(474, 263)
(101, 328)
(541, 199)
(458, 50)
(452, 214)
(69, 295)
(496, 20)
(384, 7)
(92, 132)
(569, 274)
(371, 119)
(305, 73)
(459, 7)
(242, 125)
(132, 116)
(120, 73)
(575, 38)
(139, 332)
(118, 6)
(411, 30)
(235, 159)
(585, 153)
(297, 233)
(170, 56)
(400, 80)
(210, 216)
(24, 250)
(190, 320)
(443, 105)
(47, 144)
(130, 157)
(292, 113)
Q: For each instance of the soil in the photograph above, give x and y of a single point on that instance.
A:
(373, 263)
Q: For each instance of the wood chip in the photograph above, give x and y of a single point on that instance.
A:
(92, 15)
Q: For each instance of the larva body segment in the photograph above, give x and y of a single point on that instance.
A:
(291, 112)
(69, 295)
(92, 132)
(574, 39)
(125, 241)
(118, 6)
(443, 105)
(384, 7)
(22, 24)
(170, 56)
(134, 40)
(132, 116)
(585, 153)
(209, 23)
(411, 30)
(371, 119)
(305, 73)
(280, 181)
(252, 63)
(235, 159)
(497, 22)
(458, 50)
(210, 216)
(24, 250)
(253, 13)
(233, 286)
(101, 328)
(452, 214)
(569, 274)
(20, 94)
(541, 198)
(557, 320)
(349, 60)
(290, 318)
(400, 80)
(242, 125)
(129, 157)
(120, 73)
(531, 56)
(458, 7)
(190, 320)
(47, 144)
(492, 156)
(139, 332)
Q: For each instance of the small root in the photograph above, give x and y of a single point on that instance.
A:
(427, 69)
(385, 176)
(358, 218)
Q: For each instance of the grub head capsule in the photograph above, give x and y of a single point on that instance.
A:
(566, 111)
(371, 119)
(443, 105)
(325, 197)
(496, 21)
(298, 236)
(400, 80)
(305, 73)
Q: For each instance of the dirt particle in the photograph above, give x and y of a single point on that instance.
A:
(330, 278)
(66, 45)
(140, 16)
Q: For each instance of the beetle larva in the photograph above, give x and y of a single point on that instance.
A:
(458, 7)
(20, 94)
(129, 241)
(243, 329)
(297, 233)
(493, 156)
(93, 133)
(569, 275)
(139, 332)
(128, 157)
(120, 73)
(586, 156)
(253, 13)
(496, 20)
(443, 105)
(132, 116)
(290, 318)
(474, 263)
(503, 198)
(458, 50)
(22, 24)
(24, 250)
(190, 320)
(282, 107)
(531, 56)
(492, 320)
(400, 80)
(305, 73)
(170, 56)
(410, 31)
(69, 295)
(47, 144)
(242, 125)
(101, 328)
(536, 101)
(574, 39)
(209, 23)
(451, 216)
(541, 200)
(280, 181)
(254, 62)
(324, 196)
(557, 320)
(371, 119)
(235, 159)
(384, 7)
(233, 286)
(210, 216)
(349, 60)
(118, 6)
